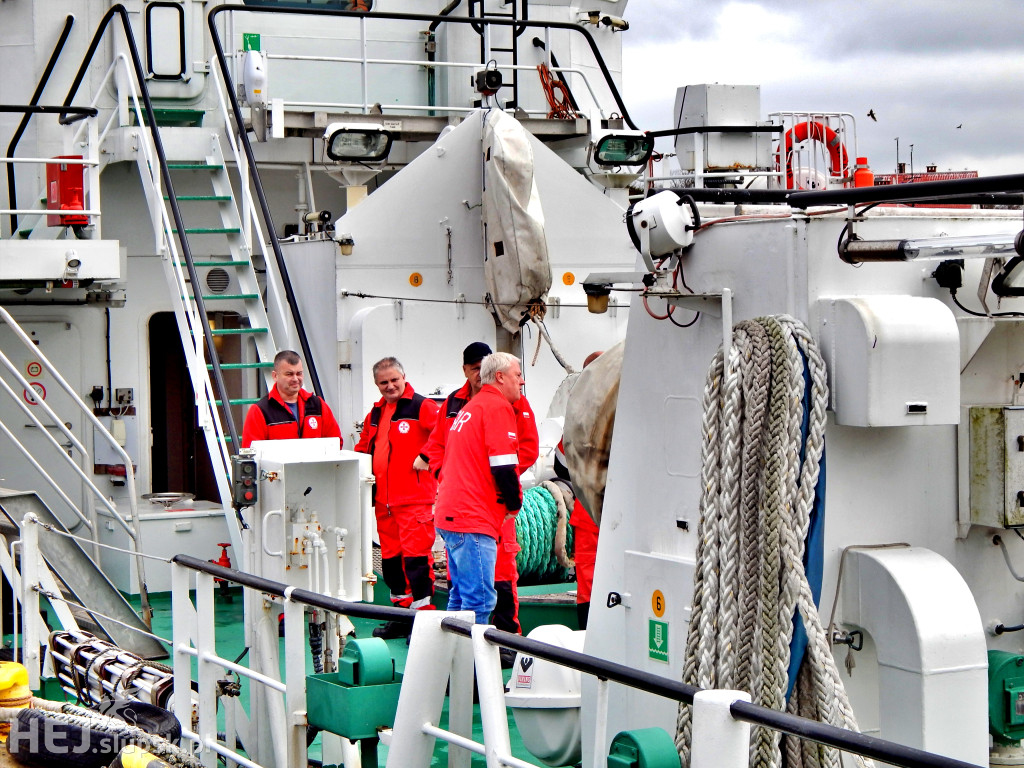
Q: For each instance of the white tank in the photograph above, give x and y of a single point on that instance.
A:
(545, 699)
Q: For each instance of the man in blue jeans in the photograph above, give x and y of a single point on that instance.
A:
(480, 485)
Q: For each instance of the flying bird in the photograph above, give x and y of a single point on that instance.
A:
(960, 126)
(871, 114)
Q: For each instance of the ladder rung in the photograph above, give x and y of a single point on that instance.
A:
(236, 331)
(193, 167)
(242, 263)
(210, 231)
(240, 366)
(228, 297)
(242, 401)
(200, 198)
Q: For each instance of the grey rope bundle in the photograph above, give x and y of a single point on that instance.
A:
(756, 501)
(74, 715)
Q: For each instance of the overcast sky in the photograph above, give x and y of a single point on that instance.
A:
(923, 66)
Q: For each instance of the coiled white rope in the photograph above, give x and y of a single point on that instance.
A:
(757, 496)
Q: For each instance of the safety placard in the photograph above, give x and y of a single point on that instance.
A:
(657, 640)
(34, 369)
(38, 393)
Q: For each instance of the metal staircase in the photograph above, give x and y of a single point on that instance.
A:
(218, 277)
(228, 270)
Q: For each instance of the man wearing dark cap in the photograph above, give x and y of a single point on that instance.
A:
(506, 575)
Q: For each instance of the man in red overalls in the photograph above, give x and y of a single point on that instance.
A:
(393, 433)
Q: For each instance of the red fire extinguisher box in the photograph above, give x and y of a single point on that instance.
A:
(65, 190)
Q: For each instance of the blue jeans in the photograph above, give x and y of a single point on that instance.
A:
(471, 558)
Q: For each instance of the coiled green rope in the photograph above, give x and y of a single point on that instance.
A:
(537, 529)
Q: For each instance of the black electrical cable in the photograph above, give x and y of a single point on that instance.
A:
(110, 378)
(846, 228)
(696, 316)
(952, 295)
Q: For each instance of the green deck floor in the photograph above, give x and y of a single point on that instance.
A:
(230, 643)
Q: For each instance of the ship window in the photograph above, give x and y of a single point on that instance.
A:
(165, 41)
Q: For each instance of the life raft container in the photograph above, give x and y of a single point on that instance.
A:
(838, 158)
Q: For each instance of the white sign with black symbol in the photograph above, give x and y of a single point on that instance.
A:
(524, 677)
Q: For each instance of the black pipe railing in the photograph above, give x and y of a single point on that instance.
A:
(12, 190)
(165, 174)
(905, 193)
(314, 599)
(822, 733)
(769, 196)
(42, 109)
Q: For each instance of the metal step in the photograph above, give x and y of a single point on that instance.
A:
(217, 263)
(241, 366)
(228, 297)
(193, 167)
(210, 231)
(200, 198)
(86, 582)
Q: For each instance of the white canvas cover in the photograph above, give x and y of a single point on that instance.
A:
(589, 418)
(516, 268)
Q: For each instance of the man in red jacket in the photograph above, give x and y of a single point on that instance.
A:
(506, 576)
(393, 433)
(288, 411)
(480, 487)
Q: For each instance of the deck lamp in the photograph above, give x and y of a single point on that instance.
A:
(359, 143)
(623, 149)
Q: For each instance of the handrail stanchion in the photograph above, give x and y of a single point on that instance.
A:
(30, 598)
(206, 642)
(295, 679)
(601, 722)
(719, 740)
(183, 631)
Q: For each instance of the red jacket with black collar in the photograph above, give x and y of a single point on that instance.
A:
(272, 419)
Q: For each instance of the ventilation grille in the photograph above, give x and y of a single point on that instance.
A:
(218, 280)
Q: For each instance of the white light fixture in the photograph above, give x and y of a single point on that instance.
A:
(932, 248)
(356, 142)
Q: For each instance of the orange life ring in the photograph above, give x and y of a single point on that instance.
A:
(818, 132)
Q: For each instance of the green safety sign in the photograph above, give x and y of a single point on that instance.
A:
(657, 640)
(250, 41)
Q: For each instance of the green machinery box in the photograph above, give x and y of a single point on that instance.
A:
(360, 697)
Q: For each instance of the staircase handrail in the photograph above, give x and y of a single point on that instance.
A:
(134, 534)
(154, 132)
(201, 384)
(80, 404)
(254, 178)
(12, 189)
(88, 518)
(276, 284)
